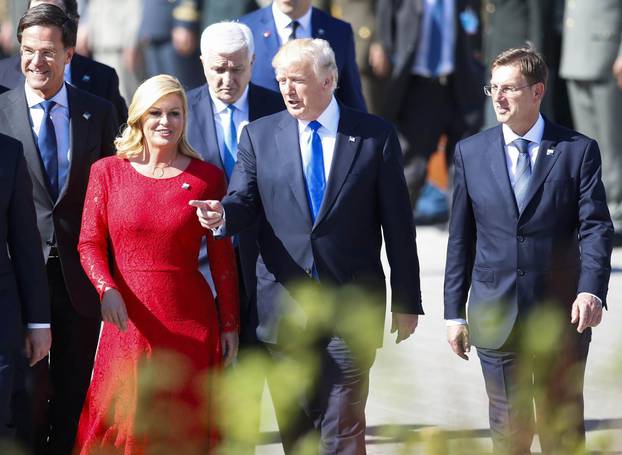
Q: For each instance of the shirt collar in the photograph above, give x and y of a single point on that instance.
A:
(282, 20)
(241, 104)
(533, 135)
(329, 119)
(33, 99)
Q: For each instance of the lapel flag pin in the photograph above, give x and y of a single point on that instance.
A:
(352, 139)
(185, 186)
(321, 31)
(266, 34)
(86, 78)
(549, 152)
(86, 115)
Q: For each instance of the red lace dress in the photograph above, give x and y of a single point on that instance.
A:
(151, 388)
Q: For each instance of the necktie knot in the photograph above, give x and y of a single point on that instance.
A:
(231, 108)
(315, 125)
(294, 26)
(522, 145)
(47, 106)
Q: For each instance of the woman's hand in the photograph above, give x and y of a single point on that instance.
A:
(113, 309)
(230, 343)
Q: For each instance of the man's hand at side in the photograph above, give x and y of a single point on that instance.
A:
(587, 311)
(458, 339)
(38, 343)
(405, 325)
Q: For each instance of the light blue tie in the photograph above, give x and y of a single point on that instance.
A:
(523, 172)
(314, 173)
(47, 147)
(435, 37)
(230, 152)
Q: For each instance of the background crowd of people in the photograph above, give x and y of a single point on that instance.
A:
(193, 85)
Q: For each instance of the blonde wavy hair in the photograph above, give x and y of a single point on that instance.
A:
(131, 143)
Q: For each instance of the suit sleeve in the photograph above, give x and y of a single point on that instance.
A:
(242, 203)
(398, 230)
(349, 90)
(93, 243)
(23, 242)
(114, 96)
(385, 10)
(224, 272)
(460, 246)
(595, 227)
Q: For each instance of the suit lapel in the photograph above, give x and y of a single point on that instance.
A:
(288, 145)
(547, 157)
(207, 128)
(268, 32)
(499, 168)
(80, 119)
(19, 120)
(318, 25)
(347, 145)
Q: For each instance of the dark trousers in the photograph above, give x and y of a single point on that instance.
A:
(8, 360)
(428, 111)
(332, 406)
(54, 391)
(553, 381)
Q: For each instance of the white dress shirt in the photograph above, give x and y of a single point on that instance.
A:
(284, 24)
(329, 119)
(534, 136)
(60, 119)
(221, 117)
(446, 67)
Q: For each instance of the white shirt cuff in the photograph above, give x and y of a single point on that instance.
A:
(595, 296)
(451, 322)
(38, 326)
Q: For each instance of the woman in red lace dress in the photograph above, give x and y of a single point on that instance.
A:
(163, 335)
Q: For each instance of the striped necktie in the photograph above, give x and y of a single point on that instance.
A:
(523, 172)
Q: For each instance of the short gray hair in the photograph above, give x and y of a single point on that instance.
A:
(226, 38)
(317, 52)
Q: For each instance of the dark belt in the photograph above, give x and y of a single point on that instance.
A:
(441, 80)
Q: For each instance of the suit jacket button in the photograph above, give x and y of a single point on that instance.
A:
(308, 271)
(49, 243)
(520, 272)
(521, 238)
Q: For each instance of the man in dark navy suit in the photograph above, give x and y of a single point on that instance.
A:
(83, 72)
(284, 20)
(325, 183)
(530, 239)
(23, 286)
(63, 130)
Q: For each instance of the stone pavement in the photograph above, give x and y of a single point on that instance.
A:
(420, 387)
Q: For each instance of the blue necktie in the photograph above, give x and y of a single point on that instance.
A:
(47, 147)
(314, 173)
(230, 152)
(292, 35)
(435, 37)
(523, 172)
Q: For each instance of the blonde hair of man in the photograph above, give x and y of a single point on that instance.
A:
(131, 143)
(316, 52)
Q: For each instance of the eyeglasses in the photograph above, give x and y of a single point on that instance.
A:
(505, 90)
(47, 55)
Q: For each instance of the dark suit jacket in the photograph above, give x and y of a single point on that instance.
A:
(23, 284)
(202, 137)
(365, 192)
(335, 31)
(92, 130)
(558, 246)
(398, 30)
(86, 74)
(3, 89)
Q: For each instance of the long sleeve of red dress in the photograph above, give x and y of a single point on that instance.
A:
(93, 243)
(224, 273)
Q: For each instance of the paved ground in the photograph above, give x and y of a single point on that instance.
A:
(419, 387)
